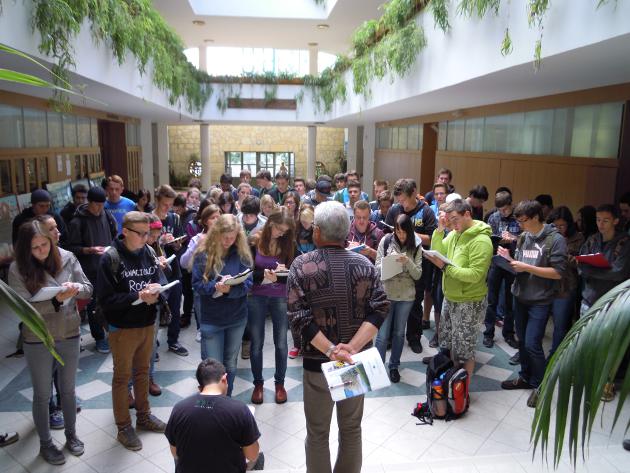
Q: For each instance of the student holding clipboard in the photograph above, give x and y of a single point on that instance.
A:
(224, 253)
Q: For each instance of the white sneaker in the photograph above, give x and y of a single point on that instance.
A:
(198, 336)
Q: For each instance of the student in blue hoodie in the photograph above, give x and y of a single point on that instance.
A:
(223, 307)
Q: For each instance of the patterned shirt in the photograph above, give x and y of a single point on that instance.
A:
(333, 290)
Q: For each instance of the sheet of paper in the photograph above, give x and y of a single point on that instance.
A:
(239, 278)
(46, 293)
(390, 267)
(438, 255)
(170, 259)
(158, 290)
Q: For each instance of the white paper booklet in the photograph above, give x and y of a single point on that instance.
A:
(158, 290)
(438, 255)
(390, 267)
(367, 374)
(46, 293)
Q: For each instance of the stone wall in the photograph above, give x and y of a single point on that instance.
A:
(184, 141)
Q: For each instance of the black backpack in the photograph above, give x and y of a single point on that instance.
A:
(447, 391)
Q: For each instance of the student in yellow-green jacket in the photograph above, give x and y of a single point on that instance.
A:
(469, 248)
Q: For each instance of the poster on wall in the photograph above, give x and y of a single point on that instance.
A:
(96, 178)
(85, 182)
(60, 193)
(8, 211)
(24, 201)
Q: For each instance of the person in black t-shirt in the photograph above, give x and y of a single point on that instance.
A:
(211, 419)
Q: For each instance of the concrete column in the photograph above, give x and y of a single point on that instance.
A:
(160, 154)
(312, 58)
(203, 63)
(311, 151)
(146, 160)
(351, 132)
(206, 178)
(369, 149)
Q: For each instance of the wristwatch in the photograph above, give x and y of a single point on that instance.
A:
(330, 350)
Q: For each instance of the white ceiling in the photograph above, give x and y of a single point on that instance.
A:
(293, 31)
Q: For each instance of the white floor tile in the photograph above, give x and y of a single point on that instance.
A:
(483, 357)
(184, 387)
(412, 377)
(92, 389)
(492, 372)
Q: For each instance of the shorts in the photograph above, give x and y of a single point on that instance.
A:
(459, 327)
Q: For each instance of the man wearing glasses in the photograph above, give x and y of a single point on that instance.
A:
(127, 277)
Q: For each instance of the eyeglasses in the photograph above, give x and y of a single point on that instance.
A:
(140, 234)
(522, 220)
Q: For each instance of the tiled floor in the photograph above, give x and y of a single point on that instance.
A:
(492, 437)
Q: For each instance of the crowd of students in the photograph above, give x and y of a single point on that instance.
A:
(513, 267)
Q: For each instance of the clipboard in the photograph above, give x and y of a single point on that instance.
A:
(239, 278)
(438, 255)
(503, 263)
(597, 260)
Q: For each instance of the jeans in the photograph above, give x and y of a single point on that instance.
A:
(131, 353)
(257, 309)
(562, 309)
(531, 320)
(499, 280)
(175, 304)
(222, 343)
(318, 408)
(40, 366)
(395, 322)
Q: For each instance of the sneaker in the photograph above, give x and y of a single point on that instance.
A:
(294, 353)
(19, 353)
(56, 420)
(426, 324)
(394, 375)
(157, 357)
(516, 383)
(434, 342)
(416, 346)
(626, 444)
(51, 454)
(245, 349)
(488, 342)
(515, 359)
(532, 400)
(75, 446)
(178, 349)
(102, 346)
(8, 438)
(154, 388)
(151, 423)
(198, 336)
(609, 392)
(79, 405)
(512, 342)
(129, 439)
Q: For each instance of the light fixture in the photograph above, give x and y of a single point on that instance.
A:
(312, 45)
(323, 26)
(198, 22)
(208, 40)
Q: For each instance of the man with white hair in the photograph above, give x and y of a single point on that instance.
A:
(337, 303)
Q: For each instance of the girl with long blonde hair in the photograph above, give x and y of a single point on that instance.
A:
(224, 253)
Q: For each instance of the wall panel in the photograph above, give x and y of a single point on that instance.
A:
(392, 165)
(571, 181)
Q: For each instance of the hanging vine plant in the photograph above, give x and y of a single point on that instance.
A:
(129, 26)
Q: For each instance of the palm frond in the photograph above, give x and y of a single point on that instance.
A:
(588, 358)
(29, 316)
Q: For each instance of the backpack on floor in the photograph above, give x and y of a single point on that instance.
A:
(447, 391)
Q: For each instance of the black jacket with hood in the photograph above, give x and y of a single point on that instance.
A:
(87, 230)
(117, 291)
(546, 249)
